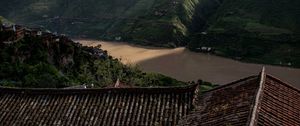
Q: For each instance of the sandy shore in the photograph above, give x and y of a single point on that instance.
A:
(184, 65)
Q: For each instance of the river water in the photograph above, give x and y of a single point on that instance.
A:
(185, 65)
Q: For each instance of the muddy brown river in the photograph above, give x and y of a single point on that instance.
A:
(185, 65)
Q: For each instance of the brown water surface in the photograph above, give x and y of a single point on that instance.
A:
(185, 65)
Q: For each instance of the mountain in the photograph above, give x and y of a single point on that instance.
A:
(262, 16)
(260, 31)
(155, 22)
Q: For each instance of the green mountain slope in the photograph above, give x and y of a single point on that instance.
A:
(263, 16)
(260, 31)
(156, 22)
(4, 21)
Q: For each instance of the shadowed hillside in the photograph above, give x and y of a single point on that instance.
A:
(260, 31)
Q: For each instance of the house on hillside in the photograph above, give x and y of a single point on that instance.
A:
(34, 31)
(16, 30)
(253, 101)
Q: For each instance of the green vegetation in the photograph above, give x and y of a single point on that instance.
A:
(150, 22)
(252, 48)
(206, 87)
(266, 15)
(4, 20)
(253, 30)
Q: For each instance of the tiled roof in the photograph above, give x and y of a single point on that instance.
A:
(100, 107)
(279, 104)
(227, 105)
(257, 100)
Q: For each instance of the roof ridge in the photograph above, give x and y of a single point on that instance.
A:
(253, 115)
(232, 83)
(99, 90)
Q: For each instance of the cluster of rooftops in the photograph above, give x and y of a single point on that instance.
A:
(256, 100)
(21, 31)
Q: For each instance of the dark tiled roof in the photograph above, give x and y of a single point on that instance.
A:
(279, 105)
(256, 100)
(110, 106)
(227, 105)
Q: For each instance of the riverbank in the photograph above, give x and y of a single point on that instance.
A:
(185, 65)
